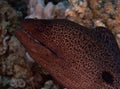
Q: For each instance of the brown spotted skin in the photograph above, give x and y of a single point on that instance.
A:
(79, 58)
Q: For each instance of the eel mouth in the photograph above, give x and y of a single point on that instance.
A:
(23, 30)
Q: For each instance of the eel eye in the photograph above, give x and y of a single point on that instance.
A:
(107, 77)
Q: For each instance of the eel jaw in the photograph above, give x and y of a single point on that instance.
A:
(37, 51)
(40, 54)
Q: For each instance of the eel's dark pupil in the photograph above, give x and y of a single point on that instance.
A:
(107, 77)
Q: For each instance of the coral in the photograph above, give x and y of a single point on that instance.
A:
(50, 85)
(20, 6)
(78, 5)
(12, 59)
(17, 83)
(48, 10)
(39, 10)
(59, 10)
(99, 23)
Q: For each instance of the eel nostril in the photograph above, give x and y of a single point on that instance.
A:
(107, 77)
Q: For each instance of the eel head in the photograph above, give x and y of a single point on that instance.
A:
(75, 56)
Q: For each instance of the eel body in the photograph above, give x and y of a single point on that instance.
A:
(77, 57)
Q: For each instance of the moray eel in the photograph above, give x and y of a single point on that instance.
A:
(77, 57)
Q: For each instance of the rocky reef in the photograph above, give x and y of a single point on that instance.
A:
(17, 69)
(13, 70)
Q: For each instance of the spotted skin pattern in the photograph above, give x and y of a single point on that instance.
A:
(77, 57)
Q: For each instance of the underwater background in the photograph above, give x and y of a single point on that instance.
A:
(17, 68)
